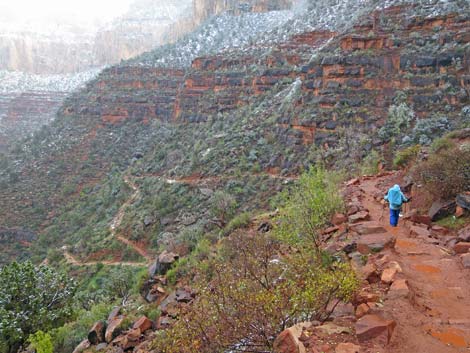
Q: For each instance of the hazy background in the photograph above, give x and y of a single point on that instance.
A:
(51, 15)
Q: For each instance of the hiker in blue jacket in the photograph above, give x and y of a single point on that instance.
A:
(395, 199)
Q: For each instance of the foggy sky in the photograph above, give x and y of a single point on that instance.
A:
(21, 13)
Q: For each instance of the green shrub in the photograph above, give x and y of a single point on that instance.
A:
(240, 221)
(307, 207)
(32, 298)
(41, 342)
(399, 119)
(406, 156)
(446, 173)
(441, 144)
(370, 164)
(242, 305)
(67, 337)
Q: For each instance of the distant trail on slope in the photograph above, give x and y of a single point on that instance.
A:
(199, 179)
(116, 223)
(73, 261)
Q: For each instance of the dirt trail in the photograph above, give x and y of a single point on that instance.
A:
(436, 318)
(72, 260)
(115, 224)
(195, 180)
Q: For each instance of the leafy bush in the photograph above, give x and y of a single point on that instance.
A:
(251, 294)
(67, 337)
(426, 130)
(399, 119)
(31, 298)
(406, 156)
(308, 206)
(446, 173)
(223, 207)
(441, 144)
(240, 221)
(41, 342)
(370, 164)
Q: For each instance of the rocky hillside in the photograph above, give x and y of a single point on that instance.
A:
(235, 116)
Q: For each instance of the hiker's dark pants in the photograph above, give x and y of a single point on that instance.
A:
(394, 216)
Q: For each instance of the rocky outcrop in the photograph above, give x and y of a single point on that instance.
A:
(22, 114)
(206, 8)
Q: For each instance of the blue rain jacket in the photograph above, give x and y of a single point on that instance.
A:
(395, 197)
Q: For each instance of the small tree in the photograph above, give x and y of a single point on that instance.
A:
(250, 294)
(31, 298)
(308, 206)
(223, 207)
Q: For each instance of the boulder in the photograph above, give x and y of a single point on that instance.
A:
(459, 212)
(155, 294)
(115, 312)
(169, 305)
(373, 326)
(143, 324)
(368, 228)
(464, 234)
(372, 243)
(421, 218)
(370, 273)
(163, 263)
(439, 231)
(164, 322)
(359, 217)
(338, 219)
(184, 295)
(421, 231)
(288, 340)
(128, 341)
(362, 309)
(85, 344)
(399, 288)
(463, 200)
(96, 334)
(388, 275)
(441, 209)
(114, 328)
(465, 260)
(347, 348)
(462, 247)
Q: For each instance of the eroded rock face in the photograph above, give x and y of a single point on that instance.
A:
(96, 334)
(114, 328)
(205, 8)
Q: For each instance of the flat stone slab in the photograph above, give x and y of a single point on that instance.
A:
(462, 247)
(420, 231)
(372, 243)
(368, 228)
(372, 326)
(359, 217)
